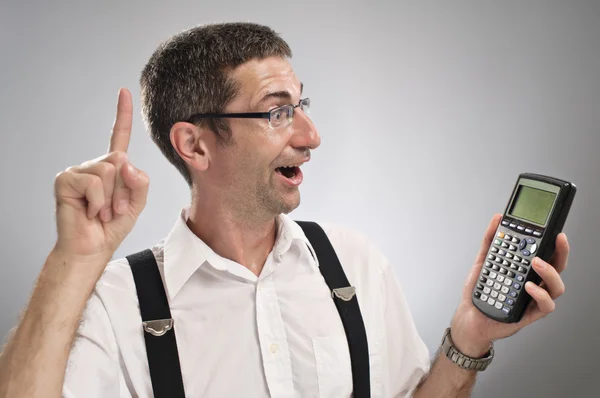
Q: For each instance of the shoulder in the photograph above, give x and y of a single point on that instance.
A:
(357, 253)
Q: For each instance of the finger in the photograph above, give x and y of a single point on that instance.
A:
(73, 187)
(542, 298)
(488, 236)
(560, 257)
(137, 182)
(121, 132)
(107, 173)
(552, 280)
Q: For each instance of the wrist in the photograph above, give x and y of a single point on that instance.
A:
(79, 273)
(469, 346)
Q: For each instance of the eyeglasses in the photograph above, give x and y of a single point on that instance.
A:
(276, 117)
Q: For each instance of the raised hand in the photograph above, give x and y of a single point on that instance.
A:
(473, 331)
(99, 201)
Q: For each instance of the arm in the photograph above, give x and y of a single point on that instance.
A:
(473, 332)
(97, 205)
(34, 360)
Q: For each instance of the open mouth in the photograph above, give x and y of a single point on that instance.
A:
(288, 172)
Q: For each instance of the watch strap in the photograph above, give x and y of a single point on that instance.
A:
(462, 360)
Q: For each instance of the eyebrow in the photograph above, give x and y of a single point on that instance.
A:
(280, 94)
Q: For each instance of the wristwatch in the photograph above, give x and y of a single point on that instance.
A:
(462, 360)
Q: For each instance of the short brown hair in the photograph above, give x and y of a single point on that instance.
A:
(189, 74)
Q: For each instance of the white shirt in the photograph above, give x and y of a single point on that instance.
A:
(239, 335)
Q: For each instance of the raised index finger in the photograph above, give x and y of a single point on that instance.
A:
(119, 139)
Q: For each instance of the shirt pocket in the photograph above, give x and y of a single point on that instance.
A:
(334, 371)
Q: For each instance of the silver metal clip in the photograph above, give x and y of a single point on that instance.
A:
(158, 327)
(345, 293)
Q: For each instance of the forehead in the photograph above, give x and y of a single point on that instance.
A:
(260, 76)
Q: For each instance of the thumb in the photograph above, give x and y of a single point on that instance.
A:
(488, 237)
(137, 181)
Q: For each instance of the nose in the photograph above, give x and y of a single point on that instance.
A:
(305, 134)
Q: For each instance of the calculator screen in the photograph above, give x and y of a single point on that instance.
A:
(532, 204)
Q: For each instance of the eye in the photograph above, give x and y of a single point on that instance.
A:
(277, 114)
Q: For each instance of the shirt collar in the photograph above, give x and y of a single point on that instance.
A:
(184, 252)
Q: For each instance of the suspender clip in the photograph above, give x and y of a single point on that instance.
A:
(158, 327)
(344, 293)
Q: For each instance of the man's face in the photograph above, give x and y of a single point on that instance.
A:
(248, 172)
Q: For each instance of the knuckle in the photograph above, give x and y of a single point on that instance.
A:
(106, 170)
(117, 157)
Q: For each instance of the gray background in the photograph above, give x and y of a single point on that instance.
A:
(428, 111)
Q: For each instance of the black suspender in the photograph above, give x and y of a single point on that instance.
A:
(159, 332)
(161, 346)
(346, 302)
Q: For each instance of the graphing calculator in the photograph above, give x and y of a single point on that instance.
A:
(534, 216)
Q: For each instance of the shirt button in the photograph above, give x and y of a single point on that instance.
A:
(273, 348)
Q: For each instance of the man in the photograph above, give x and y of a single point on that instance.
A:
(252, 313)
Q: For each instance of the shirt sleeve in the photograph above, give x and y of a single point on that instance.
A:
(408, 357)
(93, 367)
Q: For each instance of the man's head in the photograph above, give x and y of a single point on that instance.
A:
(228, 68)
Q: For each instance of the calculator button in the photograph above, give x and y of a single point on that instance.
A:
(511, 274)
(509, 256)
(477, 294)
(495, 267)
(488, 264)
(505, 263)
(522, 270)
(494, 294)
(494, 249)
(521, 228)
(485, 272)
(501, 252)
(520, 278)
(533, 248)
(512, 294)
(487, 290)
(498, 259)
(515, 240)
(528, 230)
(497, 241)
(500, 278)
(508, 301)
(530, 240)
(526, 262)
(503, 271)
(525, 253)
(491, 301)
(523, 244)
(517, 259)
(516, 285)
(508, 282)
(484, 297)
(489, 282)
(502, 298)
(500, 235)
(513, 225)
(512, 248)
(498, 305)
(505, 222)
(537, 233)
(491, 257)
(479, 286)
(493, 275)
(497, 286)
(504, 245)
(506, 310)
(482, 279)
(512, 266)
(504, 290)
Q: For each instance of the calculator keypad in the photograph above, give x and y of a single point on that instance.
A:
(505, 270)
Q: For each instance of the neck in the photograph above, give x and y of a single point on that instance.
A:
(245, 240)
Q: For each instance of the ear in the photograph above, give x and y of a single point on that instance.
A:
(193, 144)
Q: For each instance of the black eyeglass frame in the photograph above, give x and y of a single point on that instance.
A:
(249, 115)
